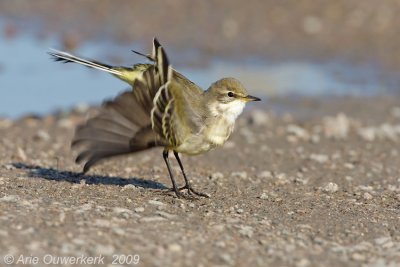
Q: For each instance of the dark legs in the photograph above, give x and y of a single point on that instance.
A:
(187, 183)
(174, 187)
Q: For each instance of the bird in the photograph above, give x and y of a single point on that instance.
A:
(164, 109)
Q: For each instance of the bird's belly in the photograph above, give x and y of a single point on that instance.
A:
(207, 139)
(195, 145)
(218, 132)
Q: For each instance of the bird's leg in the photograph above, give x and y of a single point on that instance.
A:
(187, 183)
(174, 187)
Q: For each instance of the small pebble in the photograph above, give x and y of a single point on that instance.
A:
(281, 179)
(220, 244)
(349, 178)
(315, 138)
(81, 108)
(119, 210)
(102, 223)
(10, 198)
(259, 118)
(367, 196)
(336, 127)
(175, 247)
(264, 174)
(239, 211)
(139, 209)
(302, 181)
(382, 240)
(349, 166)
(61, 217)
(119, 231)
(9, 167)
(366, 188)
(166, 215)
(21, 154)
(66, 123)
(104, 249)
(242, 175)
(152, 219)
(41, 135)
(357, 257)
(330, 188)
(368, 133)
(320, 158)
(129, 186)
(298, 131)
(246, 231)
(303, 263)
(67, 248)
(156, 203)
(227, 258)
(216, 176)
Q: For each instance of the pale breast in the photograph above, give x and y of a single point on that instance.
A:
(219, 131)
(220, 126)
(216, 130)
(210, 137)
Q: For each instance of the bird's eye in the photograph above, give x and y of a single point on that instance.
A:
(230, 94)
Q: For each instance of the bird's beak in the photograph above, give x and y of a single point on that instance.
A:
(249, 98)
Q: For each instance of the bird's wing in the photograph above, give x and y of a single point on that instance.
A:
(177, 115)
(157, 112)
(174, 111)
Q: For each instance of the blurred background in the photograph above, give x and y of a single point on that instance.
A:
(276, 48)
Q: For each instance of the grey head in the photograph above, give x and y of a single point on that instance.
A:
(226, 99)
(227, 90)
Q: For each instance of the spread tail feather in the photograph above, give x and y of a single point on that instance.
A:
(67, 57)
(120, 128)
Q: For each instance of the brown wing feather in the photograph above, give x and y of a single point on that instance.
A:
(177, 104)
(142, 118)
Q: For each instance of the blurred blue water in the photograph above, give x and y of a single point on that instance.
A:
(30, 82)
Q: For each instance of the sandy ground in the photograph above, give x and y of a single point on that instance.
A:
(302, 182)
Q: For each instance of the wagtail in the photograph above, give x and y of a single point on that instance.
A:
(164, 109)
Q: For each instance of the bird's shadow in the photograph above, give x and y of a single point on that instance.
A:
(78, 177)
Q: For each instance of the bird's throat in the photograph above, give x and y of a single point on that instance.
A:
(228, 111)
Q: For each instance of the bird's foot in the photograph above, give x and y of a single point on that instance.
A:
(180, 194)
(191, 191)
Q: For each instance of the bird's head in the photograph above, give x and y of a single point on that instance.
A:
(228, 90)
(228, 96)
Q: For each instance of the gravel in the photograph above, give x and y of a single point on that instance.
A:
(273, 202)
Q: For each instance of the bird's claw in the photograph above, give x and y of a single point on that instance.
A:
(191, 191)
